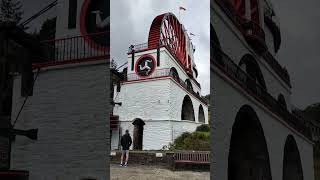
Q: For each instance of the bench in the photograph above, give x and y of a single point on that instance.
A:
(191, 157)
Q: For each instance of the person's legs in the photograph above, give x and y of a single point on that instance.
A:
(122, 153)
(127, 157)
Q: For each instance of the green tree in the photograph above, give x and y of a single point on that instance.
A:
(10, 10)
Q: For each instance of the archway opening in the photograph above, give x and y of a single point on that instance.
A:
(187, 109)
(282, 101)
(174, 74)
(201, 118)
(248, 154)
(292, 168)
(252, 69)
(215, 47)
(189, 84)
(138, 134)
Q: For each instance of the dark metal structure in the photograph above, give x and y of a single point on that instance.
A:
(12, 40)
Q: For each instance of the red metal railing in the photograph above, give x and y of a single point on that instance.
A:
(159, 73)
(73, 49)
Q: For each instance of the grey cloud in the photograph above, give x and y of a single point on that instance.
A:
(300, 47)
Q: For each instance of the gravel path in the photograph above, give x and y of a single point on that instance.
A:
(135, 172)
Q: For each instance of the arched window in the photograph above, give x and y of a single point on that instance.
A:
(282, 101)
(248, 151)
(215, 47)
(189, 85)
(201, 117)
(174, 73)
(251, 67)
(187, 109)
(292, 168)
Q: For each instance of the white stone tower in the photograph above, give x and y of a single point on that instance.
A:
(160, 96)
(255, 134)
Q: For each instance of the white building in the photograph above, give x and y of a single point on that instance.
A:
(255, 135)
(160, 96)
(69, 101)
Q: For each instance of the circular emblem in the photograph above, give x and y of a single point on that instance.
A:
(95, 23)
(145, 66)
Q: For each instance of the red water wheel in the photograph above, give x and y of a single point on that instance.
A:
(166, 30)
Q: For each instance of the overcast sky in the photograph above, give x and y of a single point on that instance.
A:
(300, 29)
(300, 49)
(131, 21)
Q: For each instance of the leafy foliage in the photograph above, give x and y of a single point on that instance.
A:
(312, 111)
(197, 141)
(203, 128)
(10, 10)
(48, 29)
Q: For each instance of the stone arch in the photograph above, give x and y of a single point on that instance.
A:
(138, 133)
(282, 101)
(249, 64)
(187, 112)
(248, 153)
(189, 84)
(215, 49)
(201, 117)
(174, 73)
(292, 168)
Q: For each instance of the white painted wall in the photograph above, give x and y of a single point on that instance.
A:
(154, 99)
(228, 99)
(62, 30)
(234, 45)
(156, 133)
(69, 106)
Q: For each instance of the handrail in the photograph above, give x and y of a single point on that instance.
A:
(238, 21)
(72, 49)
(165, 72)
(224, 62)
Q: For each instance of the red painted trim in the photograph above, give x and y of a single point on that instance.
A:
(75, 61)
(230, 78)
(83, 30)
(142, 57)
(14, 173)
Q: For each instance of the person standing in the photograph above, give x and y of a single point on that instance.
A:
(126, 142)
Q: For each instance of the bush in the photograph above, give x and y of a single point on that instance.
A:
(197, 141)
(203, 128)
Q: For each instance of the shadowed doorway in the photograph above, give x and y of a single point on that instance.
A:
(248, 154)
(138, 134)
(292, 168)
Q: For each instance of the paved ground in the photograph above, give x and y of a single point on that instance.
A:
(135, 172)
